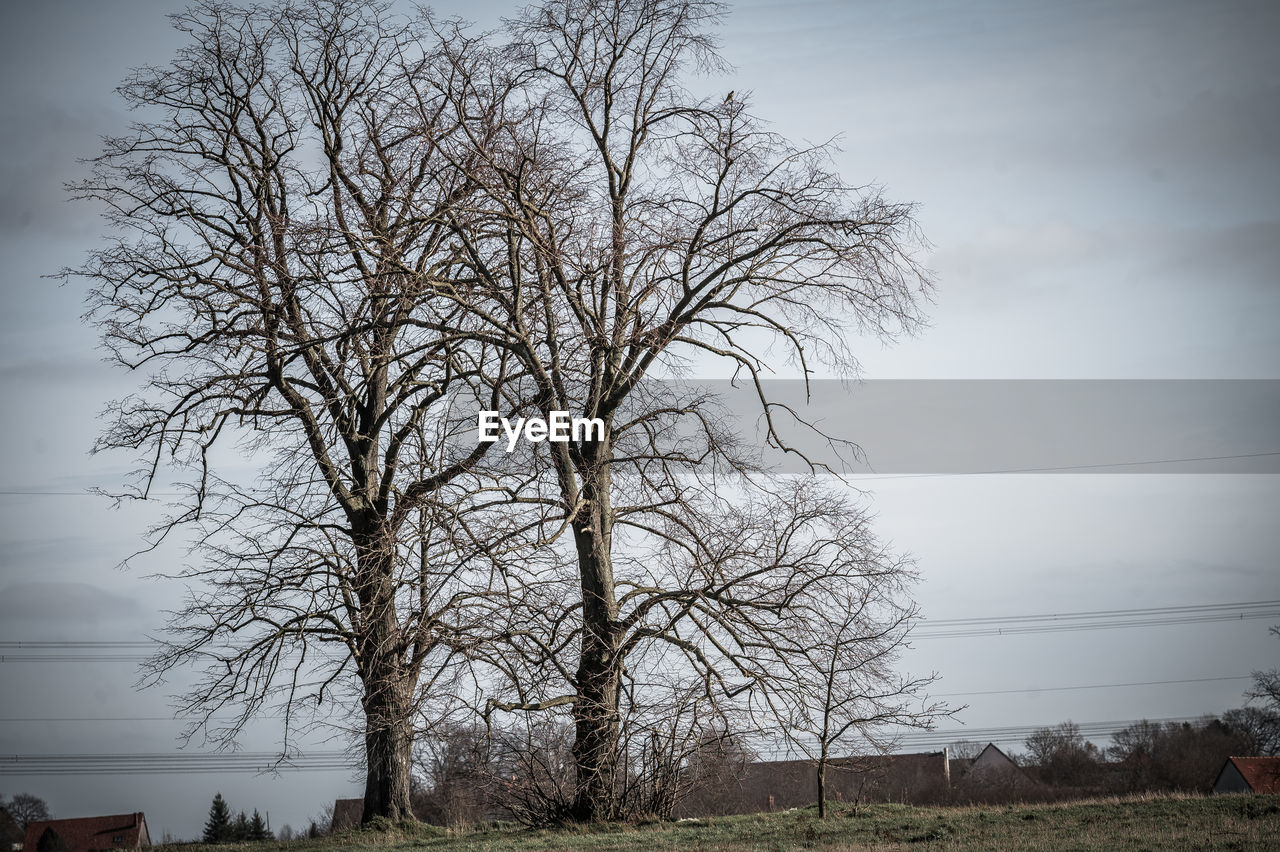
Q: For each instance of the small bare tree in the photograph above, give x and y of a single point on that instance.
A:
(715, 774)
(836, 689)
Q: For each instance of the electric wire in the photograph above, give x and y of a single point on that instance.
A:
(82, 651)
(157, 763)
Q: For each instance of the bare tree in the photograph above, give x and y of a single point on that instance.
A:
(533, 768)
(1257, 727)
(846, 694)
(965, 749)
(1174, 755)
(630, 227)
(1266, 684)
(725, 620)
(334, 224)
(281, 216)
(454, 774)
(1061, 755)
(26, 808)
(715, 773)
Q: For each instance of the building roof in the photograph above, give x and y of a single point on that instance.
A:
(117, 831)
(1262, 774)
(992, 758)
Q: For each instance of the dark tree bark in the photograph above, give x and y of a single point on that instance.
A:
(595, 710)
(388, 750)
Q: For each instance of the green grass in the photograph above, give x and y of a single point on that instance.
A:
(1138, 823)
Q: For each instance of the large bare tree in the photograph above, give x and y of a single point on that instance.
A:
(336, 229)
(281, 215)
(630, 229)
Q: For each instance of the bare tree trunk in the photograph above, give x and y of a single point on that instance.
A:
(822, 786)
(596, 713)
(388, 755)
(388, 687)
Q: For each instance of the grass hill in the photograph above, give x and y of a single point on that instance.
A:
(1137, 823)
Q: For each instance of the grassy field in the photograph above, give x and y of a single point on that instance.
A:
(1149, 822)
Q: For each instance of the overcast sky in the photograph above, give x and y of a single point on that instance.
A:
(1100, 185)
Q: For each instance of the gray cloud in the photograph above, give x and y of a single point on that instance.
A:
(69, 605)
(24, 552)
(60, 370)
(1008, 264)
(41, 144)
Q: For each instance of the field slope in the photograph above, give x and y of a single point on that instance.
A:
(1141, 823)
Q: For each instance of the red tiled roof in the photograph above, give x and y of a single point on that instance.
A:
(1262, 774)
(118, 831)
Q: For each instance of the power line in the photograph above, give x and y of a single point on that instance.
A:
(955, 628)
(1065, 467)
(1106, 612)
(80, 643)
(1011, 733)
(171, 763)
(64, 651)
(63, 647)
(158, 763)
(79, 651)
(1088, 686)
(72, 658)
(96, 719)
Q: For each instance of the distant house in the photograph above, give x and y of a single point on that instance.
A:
(347, 814)
(782, 784)
(10, 833)
(992, 767)
(88, 834)
(918, 778)
(1249, 775)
